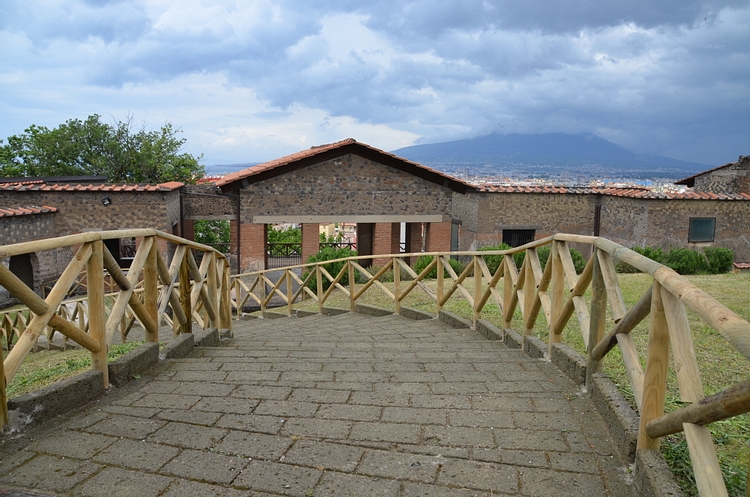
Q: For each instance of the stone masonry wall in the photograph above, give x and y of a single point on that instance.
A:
(734, 178)
(345, 186)
(547, 214)
(664, 223)
(204, 201)
(83, 211)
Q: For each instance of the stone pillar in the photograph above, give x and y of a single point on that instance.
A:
(253, 241)
(310, 240)
(439, 237)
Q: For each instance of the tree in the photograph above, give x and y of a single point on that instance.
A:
(120, 152)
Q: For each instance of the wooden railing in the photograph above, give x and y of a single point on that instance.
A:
(594, 297)
(152, 285)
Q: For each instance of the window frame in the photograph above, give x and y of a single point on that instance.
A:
(694, 237)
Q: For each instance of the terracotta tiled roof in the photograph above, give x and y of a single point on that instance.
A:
(44, 187)
(324, 152)
(615, 192)
(25, 211)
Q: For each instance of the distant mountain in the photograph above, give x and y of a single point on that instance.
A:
(546, 154)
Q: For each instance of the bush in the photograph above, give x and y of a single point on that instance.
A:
(333, 268)
(425, 261)
(493, 261)
(543, 253)
(686, 261)
(719, 259)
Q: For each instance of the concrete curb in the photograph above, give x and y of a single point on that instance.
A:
(48, 402)
(134, 362)
(453, 321)
(652, 475)
(489, 330)
(416, 314)
(371, 310)
(71, 393)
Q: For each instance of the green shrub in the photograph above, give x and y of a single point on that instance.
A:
(425, 261)
(333, 268)
(719, 259)
(493, 261)
(543, 253)
(686, 261)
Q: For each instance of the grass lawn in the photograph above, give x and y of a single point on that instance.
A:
(720, 364)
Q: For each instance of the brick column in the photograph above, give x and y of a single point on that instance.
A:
(310, 240)
(385, 240)
(413, 240)
(253, 241)
(439, 237)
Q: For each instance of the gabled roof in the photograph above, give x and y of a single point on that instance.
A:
(26, 211)
(45, 187)
(329, 151)
(690, 181)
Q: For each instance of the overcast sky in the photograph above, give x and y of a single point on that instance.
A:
(252, 80)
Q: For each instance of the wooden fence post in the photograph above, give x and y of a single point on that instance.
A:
(3, 396)
(657, 361)
(185, 290)
(151, 290)
(598, 317)
(396, 267)
(319, 287)
(97, 320)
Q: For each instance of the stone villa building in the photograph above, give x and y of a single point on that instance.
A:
(351, 182)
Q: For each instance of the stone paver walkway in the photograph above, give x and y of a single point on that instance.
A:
(348, 405)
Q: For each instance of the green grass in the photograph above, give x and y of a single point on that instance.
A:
(40, 369)
(720, 364)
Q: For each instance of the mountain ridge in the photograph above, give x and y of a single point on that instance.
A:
(550, 152)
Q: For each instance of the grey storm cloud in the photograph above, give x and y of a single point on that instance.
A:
(666, 77)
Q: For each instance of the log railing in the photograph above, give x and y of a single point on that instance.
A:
(593, 297)
(153, 284)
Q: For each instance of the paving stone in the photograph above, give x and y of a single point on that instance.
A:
(49, 473)
(185, 488)
(530, 458)
(530, 439)
(386, 432)
(349, 412)
(379, 399)
(401, 466)
(246, 366)
(346, 485)
(255, 445)
(324, 455)
(462, 387)
(441, 401)
(317, 428)
(189, 416)
(140, 412)
(402, 388)
(72, 444)
(310, 376)
(319, 395)
(205, 466)
(117, 482)
(409, 489)
(127, 426)
(11, 461)
(167, 401)
(489, 419)
(240, 377)
(459, 436)
(206, 389)
(137, 455)
(189, 436)
(227, 405)
(286, 408)
(545, 482)
(264, 424)
(278, 478)
(414, 415)
(158, 386)
(193, 376)
(495, 478)
(262, 392)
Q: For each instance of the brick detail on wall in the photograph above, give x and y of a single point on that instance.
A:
(439, 237)
(253, 240)
(310, 240)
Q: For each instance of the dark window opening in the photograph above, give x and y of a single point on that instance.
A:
(20, 265)
(516, 238)
(454, 237)
(702, 229)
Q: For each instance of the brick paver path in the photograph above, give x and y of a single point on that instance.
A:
(348, 405)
